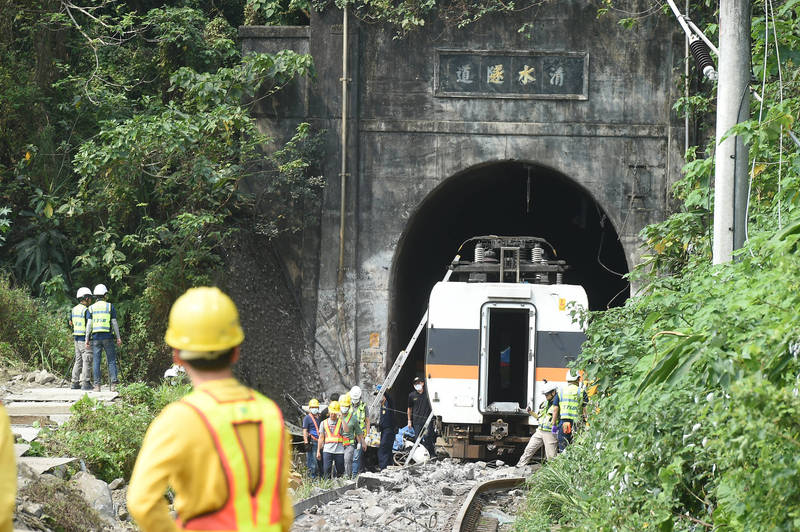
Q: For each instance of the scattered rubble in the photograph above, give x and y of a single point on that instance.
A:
(49, 496)
(423, 496)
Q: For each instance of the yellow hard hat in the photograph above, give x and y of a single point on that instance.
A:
(313, 403)
(203, 320)
(333, 408)
(345, 400)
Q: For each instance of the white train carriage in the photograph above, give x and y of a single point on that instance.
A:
(491, 345)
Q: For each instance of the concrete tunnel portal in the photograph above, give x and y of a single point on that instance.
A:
(502, 198)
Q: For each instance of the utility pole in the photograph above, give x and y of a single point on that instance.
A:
(733, 106)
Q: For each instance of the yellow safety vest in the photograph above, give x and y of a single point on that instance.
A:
(545, 416)
(100, 316)
(78, 318)
(570, 402)
(243, 511)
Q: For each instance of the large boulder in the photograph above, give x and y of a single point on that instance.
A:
(96, 493)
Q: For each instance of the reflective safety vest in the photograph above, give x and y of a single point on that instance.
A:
(346, 435)
(545, 416)
(79, 319)
(571, 402)
(316, 426)
(243, 510)
(101, 316)
(336, 435)
(361, 413)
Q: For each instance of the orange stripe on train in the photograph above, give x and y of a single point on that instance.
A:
(451, 371)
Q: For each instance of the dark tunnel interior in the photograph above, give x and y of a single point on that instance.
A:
(511, 199)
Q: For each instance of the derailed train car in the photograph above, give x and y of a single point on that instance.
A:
(497, 330)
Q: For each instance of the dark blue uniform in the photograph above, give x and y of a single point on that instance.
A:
(388, 430)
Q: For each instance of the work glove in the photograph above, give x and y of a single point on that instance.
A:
(358, 447)
(555, 429)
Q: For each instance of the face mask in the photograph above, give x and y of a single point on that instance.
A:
(315, 410)
(345, 409)
(355, 401)
(418, 387)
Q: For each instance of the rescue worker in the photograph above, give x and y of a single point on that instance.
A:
(419, 408)
(572, 405)
(81, 369)
(310, 438)
(545, 434)
(359, 412)
(8, 473)
(388, 430)
(102, 317)
(223, 449)
(331, 443)
(353, 435)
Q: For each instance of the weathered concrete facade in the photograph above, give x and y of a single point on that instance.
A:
(409, 141)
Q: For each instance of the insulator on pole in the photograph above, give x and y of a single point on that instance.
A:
(702, 56)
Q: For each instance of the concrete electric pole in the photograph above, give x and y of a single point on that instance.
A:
(733, 106)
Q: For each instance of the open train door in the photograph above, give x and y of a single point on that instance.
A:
(507, 359)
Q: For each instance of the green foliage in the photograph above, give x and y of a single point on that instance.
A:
(30, 333)
(125, 135)
(107, 437)
(277, 12)
(695, 423)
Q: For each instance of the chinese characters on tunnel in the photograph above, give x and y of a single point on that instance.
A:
(512, 74)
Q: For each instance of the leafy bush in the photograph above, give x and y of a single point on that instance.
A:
(30, 334)
(107, 437)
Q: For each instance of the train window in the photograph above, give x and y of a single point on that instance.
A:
(507, 356)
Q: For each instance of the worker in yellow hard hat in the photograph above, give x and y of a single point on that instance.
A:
(223, 449)
(310, 437)
(330, 447)
(8, 473)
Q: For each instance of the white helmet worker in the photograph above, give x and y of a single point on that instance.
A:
(100, 290)
(572, 376)
(355, 394)
(83, 292)
(549, 387)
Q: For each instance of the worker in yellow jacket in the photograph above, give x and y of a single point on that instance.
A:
(223, 448)
(8, 473)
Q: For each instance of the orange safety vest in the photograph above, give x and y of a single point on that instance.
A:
(243, 511)
(316, 426)
(347, 441)
(336, 436)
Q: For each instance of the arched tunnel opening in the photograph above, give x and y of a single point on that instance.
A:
(510, 199)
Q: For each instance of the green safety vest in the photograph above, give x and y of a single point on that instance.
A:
(545, 416)
(571, 402)
(101, 317)
(348, 435)
(361, 414)
(79, 319)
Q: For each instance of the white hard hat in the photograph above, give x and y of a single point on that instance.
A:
(572, 376)
(100, 290)
(355, 393)
(549, 387)
(83, 292)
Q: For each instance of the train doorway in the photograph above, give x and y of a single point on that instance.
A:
(504, 198)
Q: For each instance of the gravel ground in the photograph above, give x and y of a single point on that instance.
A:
(426, 497)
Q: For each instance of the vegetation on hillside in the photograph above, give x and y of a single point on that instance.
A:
(695, 426)
(125, 133)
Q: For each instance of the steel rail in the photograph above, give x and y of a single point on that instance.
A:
(462, 522)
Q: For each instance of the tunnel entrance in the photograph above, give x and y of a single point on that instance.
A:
(507, 198)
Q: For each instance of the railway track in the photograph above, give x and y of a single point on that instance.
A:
(434, 496)
(472, 517)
